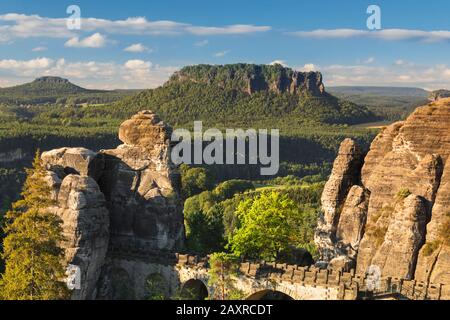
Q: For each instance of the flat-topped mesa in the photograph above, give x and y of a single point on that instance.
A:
(401, 204)
(252, 78)
(126, 197)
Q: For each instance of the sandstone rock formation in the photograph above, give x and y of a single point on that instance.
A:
(398, 202)
(434, 258)
(120, 200)
(405, 234)
(345, 174)
(81, 206)
(79, 161)
(251, 78)
(141, 186)
(352, 219)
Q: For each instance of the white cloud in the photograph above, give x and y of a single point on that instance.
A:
(90, 74)
(430, 77)
(39, 49)
(137, 47)
(38, 63)
(385, 34)
(13, 25)
(201, 43)
(281, 62)
(97, 40)
(309, 67)
(221, 53)
(369, 60)
(138, 65)
(233, 29)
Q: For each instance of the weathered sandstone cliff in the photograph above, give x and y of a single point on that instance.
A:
(394, 213)
(251, 78)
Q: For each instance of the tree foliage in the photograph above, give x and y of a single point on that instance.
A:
(271, 225)
(34, 269)
(195, 180)
(203, 216)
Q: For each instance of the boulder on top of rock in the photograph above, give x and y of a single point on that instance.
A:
(79, 161)
(144, 129)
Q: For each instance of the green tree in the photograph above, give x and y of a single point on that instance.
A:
(224, 269)
(270, 226)
(195, 180)
(34, 270)
(204, 230)
(227, 189)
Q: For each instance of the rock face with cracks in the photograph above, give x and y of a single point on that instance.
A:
(393, 211)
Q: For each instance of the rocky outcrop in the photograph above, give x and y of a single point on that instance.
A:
(397, 254)
(251, 78)
(352, 220)
(119, 200)
(79, 161)
(81, 206)
(344, 175)
(434, 258)
(142, 186)
(399, 206)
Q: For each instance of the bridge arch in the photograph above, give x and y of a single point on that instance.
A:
(122, 287)
(194, 289)
(268, 294)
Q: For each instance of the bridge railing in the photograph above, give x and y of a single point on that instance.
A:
(348, 282)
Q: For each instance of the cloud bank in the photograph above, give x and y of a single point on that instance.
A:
(384, 34)
(15, 25)
(133, 74)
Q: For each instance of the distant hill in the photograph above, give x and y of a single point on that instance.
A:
(46, 86)
(388, 103)
(56, 90)
(245, 93)
(380, 91)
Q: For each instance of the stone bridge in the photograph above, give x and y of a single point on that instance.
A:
(184, 272)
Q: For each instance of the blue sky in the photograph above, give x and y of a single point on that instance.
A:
(138, 44)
